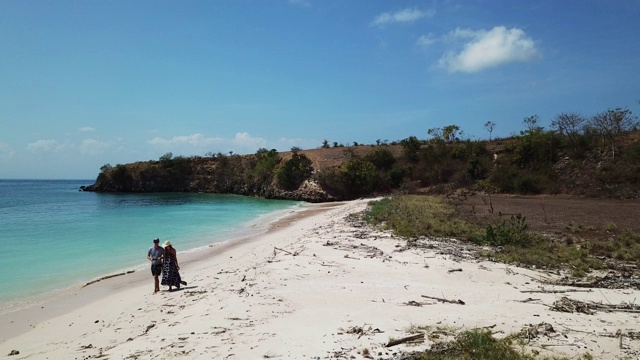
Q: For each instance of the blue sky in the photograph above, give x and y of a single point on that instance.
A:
(88, 83)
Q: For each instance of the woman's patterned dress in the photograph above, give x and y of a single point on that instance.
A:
(170, 274)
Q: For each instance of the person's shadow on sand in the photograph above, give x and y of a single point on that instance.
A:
(183, 288)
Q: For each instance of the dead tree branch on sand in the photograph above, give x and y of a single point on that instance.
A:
(283, 250)
(405, 339)
(459, 302)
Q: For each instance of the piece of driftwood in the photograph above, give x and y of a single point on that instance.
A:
(405, 339)
(540, 279)
(527, 300)
(545, 291)
(570, 305)
(321, 263)
(453, 270)
(283, 250)
(459, 302)
(544, 346)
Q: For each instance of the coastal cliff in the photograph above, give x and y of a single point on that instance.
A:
(536, 163)
(219, 174)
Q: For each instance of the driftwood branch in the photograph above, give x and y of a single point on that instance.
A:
(283, 250)
(527, 300)
(570, 305)
(323, 264)
(453, 270)
(405, 339)
(555, 291)
(459, 302)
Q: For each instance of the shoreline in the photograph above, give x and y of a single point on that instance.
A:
(338, 290)
(43, 307)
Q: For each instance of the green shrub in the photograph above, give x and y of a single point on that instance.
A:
(360, 177)
(419, 215)
(396, 176)
(266, 163)
(411, 146)
(525, 184)
(508, 232)
(382, 159)
(294, 172)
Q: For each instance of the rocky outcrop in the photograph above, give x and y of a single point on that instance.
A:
(200, 176)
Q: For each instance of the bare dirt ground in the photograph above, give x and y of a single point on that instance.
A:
(560, 214)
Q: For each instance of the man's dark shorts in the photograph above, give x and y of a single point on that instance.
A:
(156, 270)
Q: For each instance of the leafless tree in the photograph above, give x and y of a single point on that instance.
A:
(569, 125)
(611, 124)
(490, 126)
(531, 122)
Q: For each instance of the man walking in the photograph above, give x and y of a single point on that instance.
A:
(155, 256)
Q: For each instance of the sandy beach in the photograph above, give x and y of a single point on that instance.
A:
(318, 285)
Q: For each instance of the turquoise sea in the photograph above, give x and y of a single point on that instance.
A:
(53, 236)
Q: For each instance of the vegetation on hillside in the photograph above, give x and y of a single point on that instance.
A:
(480, 344)
(596, 156)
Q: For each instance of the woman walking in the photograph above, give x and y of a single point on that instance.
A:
(170, 267)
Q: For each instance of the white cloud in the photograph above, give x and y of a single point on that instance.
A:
(426, 40)
(241, 143)
(93, 147)
(407, 15)
(86, 129)
(195, 140)
(46, 146)
(487, 49)
(244, 139)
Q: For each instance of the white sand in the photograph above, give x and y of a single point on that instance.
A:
(251, 301)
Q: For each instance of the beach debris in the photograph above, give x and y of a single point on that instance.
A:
(453, 270)
(532, 331)
(459, 302)
(243, 292)
(632, 335)
(415, 337)
(227, 272)
(414, 303)
(566, 304)
(295, 253)
(217, 330)
(545, 291)
(627, 279)
(527, 300)
(570, 306)
(85, 347)
(149, 327)
(360, 330)
(14, 352)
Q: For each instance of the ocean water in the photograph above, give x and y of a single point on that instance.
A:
(53, 236)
